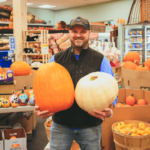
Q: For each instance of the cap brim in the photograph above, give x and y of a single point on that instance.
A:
(78, 25)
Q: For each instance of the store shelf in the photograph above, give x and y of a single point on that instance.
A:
(132, 36)
(135, 42)
(17, 109)
(58, 31)
(31, 41)
(25, 54)
(39, 60)
(9, 31)
(136, 49)
(147, 56)
(148, 49)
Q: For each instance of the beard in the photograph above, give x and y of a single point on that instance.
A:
(79, 43)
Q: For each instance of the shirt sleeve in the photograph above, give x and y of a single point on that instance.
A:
(52, 59)
(105, 67)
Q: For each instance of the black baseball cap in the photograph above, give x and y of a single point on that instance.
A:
(80, 21)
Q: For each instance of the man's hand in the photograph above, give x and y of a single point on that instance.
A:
(101, 114)
(42, 114)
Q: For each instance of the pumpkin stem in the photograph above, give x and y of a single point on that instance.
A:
(22, 90)
(143, 65)
(31, 87)
(132, 94)
(25, 87)
(93, 78)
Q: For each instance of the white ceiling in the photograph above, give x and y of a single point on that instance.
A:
(60, 4)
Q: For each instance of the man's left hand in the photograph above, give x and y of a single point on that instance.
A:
(101, 114)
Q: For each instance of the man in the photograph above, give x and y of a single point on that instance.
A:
(75, 123)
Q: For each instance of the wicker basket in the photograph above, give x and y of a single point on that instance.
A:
(75, 145)
(127, 142)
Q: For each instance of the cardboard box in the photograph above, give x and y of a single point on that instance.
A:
(140, 113)
(7, 89)
(117, 70)
(1, 141)
(135, 79)
(24, 80)
(20, 140)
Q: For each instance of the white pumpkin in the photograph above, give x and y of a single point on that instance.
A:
(96, 91)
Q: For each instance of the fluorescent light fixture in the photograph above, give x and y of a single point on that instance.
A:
(29, 3)
(2, 0)
(46, 6)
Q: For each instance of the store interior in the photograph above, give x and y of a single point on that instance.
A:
(33, 31)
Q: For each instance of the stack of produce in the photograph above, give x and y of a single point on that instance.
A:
(131, 101)
(132, 61)
(130, 129)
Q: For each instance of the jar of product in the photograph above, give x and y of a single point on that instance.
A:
(130, 46)
(138, 45)
(135, 39)
(130, 32)
(139, 39)
(140, 32)
(134, 32)
(134, 45)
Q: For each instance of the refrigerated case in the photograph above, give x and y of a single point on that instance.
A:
(137, 38)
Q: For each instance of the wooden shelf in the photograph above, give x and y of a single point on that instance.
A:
(31, 41)
(25, 54)
(33, 31)
(40, 60)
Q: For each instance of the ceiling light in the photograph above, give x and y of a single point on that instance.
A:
(29, 3)
(46, 6)
(2, 0)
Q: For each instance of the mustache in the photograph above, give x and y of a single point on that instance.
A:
(78, 38)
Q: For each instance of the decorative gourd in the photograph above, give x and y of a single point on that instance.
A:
(18, 92)
(129, 65)
(5, 103)
(20, 68)
(147, 63)
(132, 56)
(1, 100)
(23, 99)
(141, 102)
(11, 24)
(1, 70)
(13, 100)
(130, 100)
(32, 99)
(142, 68)
(96, 91)
(53, 88)
(26, 90)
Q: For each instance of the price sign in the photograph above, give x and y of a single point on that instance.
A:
(44, 49)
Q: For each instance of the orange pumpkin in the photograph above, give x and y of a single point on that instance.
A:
(11, 24)
(141, 102)
(129, 65)
(11, 18)
(142, 68)
(1, 70)
(26, 91)
(135, 105)
(53, 88)
(126, 105)
(119, 105)
(147, 63)
(130, 100)
(132, 56)
(20, 68)
(13, 137)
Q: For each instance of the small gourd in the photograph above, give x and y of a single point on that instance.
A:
(32, 99)
(5, 103)
(23, 98)
(13, 99)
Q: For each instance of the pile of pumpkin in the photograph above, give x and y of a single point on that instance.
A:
(132, 60)
(21, 97)
(129, 129)
(131, 101)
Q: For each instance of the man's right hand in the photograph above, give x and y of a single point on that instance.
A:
(42, 114)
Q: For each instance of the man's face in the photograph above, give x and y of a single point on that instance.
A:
(79, 36)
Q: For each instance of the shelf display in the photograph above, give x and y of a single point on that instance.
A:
(137, 38)
(133, 39)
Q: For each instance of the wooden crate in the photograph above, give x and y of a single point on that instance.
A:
(128, 142)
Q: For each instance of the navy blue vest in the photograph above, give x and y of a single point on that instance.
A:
(89, 61)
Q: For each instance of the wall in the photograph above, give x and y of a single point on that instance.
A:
(44, 14)
(97, 12)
